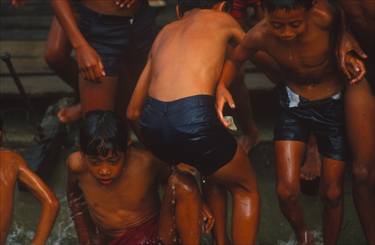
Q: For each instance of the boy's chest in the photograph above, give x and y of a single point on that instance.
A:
(303, 58)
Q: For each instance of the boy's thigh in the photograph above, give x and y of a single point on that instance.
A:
(98, 96)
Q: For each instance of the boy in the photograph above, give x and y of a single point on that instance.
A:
(118, 184)
(178, 122)
(111, 36)
(13, 168)
(360, 109)
(297, 35)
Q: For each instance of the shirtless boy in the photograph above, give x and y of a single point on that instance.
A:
(118, 184)
(178, 123)
(13, 168)
(110, 36)
(297, 35)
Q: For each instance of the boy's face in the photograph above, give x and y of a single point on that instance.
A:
(105, 169)
(287, 24)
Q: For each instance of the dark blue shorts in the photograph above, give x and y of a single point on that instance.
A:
(119, 39)
(187, 130)
(299, 117)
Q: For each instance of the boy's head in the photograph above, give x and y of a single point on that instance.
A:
(103, 142)
(287, 18)
(186, 5)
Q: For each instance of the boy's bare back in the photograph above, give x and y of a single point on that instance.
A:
(188, 54)
(129, 201)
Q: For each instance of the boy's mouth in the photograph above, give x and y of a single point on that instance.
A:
(105, 181)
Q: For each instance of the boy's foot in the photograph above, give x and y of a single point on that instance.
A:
(307, 239)
(312, 166)
(248, 142)
(157, 3)
(70, 114)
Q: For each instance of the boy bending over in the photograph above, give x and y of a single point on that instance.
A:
(175, 99)
(13, 168)
(118, 184)
(298, 35)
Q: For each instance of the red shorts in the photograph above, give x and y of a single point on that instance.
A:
(239, 7)
(145, 234)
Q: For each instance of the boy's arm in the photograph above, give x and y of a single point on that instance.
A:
(50, 204)
(137, 100)
(82, 221)
(89, 62)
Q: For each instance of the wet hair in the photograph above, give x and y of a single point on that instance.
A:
(186, 5)
(272, 5)
(102, 131)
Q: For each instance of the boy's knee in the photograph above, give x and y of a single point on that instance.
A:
(287, 192)
(361, 173)
(332, 195)
(53, 57)
(183, 184)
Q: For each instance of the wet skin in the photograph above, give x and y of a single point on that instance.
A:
(121, 192)
(360, 109)
(13, 168)
(187, 59)
(299, 42)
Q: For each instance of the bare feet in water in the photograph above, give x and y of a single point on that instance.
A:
(247, 142)
(70, 114)
(306, 239)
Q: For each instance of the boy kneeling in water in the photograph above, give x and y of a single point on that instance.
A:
(118, 184)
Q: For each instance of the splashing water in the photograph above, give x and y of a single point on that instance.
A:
(318, 238)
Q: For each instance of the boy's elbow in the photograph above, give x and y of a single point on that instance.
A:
(53, 204)
(133, 115)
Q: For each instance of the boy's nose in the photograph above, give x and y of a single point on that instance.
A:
(104, 172)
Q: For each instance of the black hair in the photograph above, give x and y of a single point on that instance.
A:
(102, 131)
(272, 5)
(186, 5)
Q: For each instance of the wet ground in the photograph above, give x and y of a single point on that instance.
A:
(273, 229)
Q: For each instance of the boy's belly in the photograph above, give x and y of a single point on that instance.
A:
(110, 8)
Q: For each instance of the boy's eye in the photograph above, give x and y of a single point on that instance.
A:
(296, 24)
(276, 25)
(94, 161)
(113, 160)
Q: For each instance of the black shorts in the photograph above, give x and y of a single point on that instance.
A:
(370, 72)
(119, 39)
(187, 130)
(299, 117)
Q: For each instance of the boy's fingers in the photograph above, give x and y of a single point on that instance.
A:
(360, 73)
(344, 67)
(101, 68)
(219, 111)
(360, 52)
(230, 100)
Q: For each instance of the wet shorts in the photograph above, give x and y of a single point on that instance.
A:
(145, 234)
(187, 130)
(299, 117)
(119, 39)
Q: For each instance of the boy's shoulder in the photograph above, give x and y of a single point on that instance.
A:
(11, 155)
(74, 163)
(323, 14)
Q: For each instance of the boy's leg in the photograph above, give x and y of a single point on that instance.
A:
(180, 213)
(98, 96)
(360, 113)
(244, 114)
(58, 55)
(289, 155)
(216, 198)
(332, 192)
(239, 177)
(312, 166)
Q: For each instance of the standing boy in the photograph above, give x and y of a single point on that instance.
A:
(297, 35)
(178, 123)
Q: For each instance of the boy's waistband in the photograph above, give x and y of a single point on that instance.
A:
(177, 105)
(295, 100)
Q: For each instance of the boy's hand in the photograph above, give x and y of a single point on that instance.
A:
(355, 67)
(349, 45)
(90, 65)
(208, 219)
(125, 3)
(17, 3)
(223, 96)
